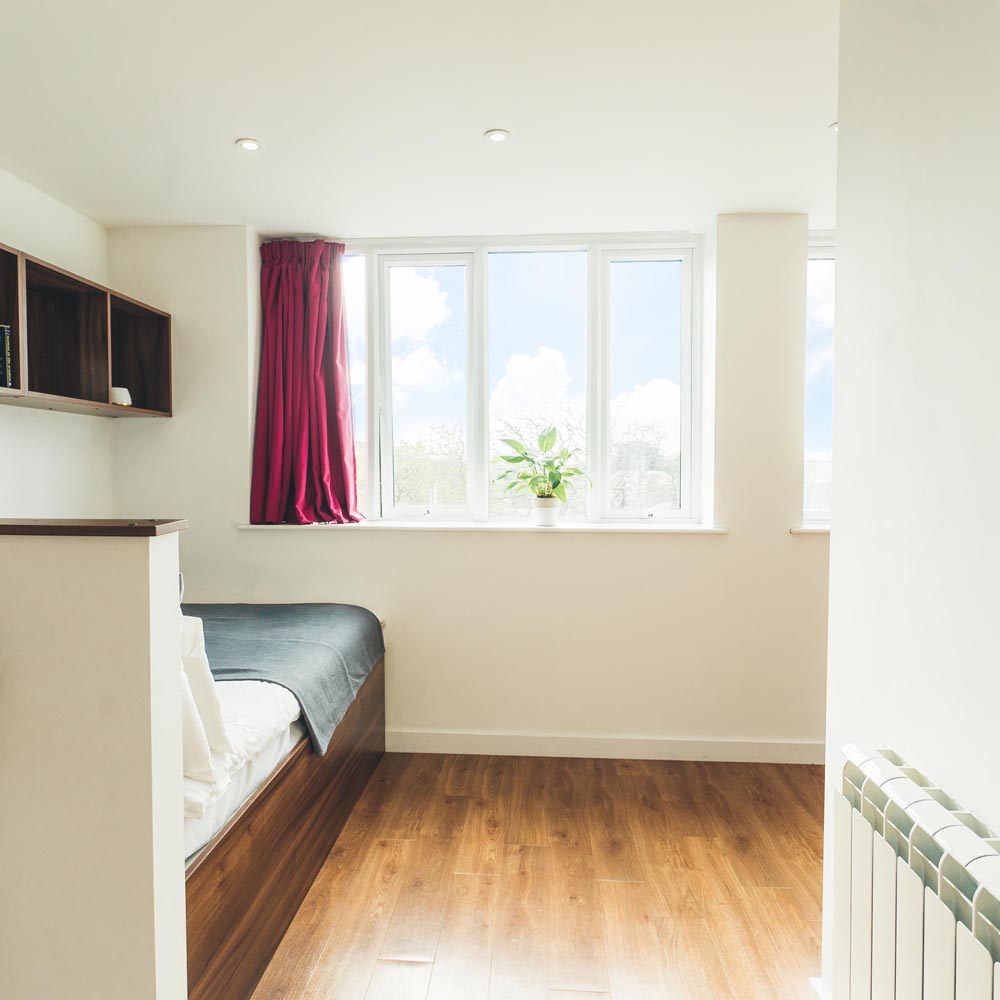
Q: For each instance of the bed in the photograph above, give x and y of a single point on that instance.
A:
(264, 722)
(305, 740)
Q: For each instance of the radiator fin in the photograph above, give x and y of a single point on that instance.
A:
(861, 908)
(883, 920)
(916, 888)
(973, 968)
(939, 949)
(909, 933)
(842, 813)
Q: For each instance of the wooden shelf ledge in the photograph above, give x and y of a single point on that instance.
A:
(69, 404)
(99, 527)
(74, 341)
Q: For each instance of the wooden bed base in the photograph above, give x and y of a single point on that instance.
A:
(244, 887)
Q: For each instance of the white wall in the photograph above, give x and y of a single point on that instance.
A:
(914, 585)
(54, 464)
(196, 464)
(644, 644)
(92, 906)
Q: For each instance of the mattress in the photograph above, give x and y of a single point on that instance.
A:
(323, 653)
(263, 722)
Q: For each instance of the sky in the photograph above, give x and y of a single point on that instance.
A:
(428, 330)
(537, 351)
(356, 312)
(537, 329)
(819, 359)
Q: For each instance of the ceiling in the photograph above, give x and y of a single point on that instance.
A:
(625, 115)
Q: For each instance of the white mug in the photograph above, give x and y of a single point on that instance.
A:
(120, 396)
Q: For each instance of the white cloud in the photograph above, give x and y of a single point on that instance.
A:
(410, 429)
(540, 381)
(822, 291)
(823, 315)
(535, 388)
(534, 392)
(354, 304)
(417, 304)
(422, 369)
(821, 295)
(819, 361)
(531, 384)
(653, 407)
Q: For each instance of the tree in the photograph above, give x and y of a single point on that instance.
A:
(644, 471)
(431, 470)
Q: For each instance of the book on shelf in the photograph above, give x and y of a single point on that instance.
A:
(6, 357)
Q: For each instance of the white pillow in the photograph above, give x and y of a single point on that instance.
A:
(197, 795)
(197, 756)
(203, 684)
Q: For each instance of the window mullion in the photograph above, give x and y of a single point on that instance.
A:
(596, 392)
(385, 393)
(373, 431)
(478, 391)
(686, 438)
(695, 382)
(474, 255)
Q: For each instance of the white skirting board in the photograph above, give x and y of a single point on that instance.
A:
(819, 990)
(585, 745)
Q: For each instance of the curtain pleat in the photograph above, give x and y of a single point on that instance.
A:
(304, 466)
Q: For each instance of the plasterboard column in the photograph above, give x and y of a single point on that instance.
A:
(92, 904)
(760, 370)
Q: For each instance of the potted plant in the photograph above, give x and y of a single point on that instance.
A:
(545, 473)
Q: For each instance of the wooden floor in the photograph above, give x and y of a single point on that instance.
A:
(503, 878)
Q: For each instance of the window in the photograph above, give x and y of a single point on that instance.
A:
(648, 408)
(475, 342)
(818, 483)
(424, 443)
(537, 328)
(356, 311)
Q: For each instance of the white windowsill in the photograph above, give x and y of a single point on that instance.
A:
(811, 529)
(626, 528)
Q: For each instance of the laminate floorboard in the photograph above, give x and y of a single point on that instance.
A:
(520, 878)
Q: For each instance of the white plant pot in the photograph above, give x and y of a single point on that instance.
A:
(545, 512)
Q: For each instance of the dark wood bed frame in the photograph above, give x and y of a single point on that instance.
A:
(244, 887)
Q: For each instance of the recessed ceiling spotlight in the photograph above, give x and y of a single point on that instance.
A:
(497, 134)
(250, 145)
(835, 126)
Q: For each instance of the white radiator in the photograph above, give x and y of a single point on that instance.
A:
(916, 906)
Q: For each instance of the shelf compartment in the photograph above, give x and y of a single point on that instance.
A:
(10, 315)
(140, 354)
(66, 404)
(68, 328)
(73, 339)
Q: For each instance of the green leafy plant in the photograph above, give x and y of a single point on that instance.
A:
(545, 472)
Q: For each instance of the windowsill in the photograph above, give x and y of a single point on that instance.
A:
(626, 528)
(811, 529)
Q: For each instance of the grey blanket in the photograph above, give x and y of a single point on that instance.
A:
(321, 652)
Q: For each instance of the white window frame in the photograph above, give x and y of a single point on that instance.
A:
(441, 512)
(599, 400)
(822, 246)
(601, 251)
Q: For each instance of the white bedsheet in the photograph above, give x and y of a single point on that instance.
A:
(263, 725)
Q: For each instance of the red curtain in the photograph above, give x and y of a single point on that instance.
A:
(304, 467)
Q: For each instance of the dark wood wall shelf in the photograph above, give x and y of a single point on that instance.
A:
(73, 340)
(11, 267)
(99, 527)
